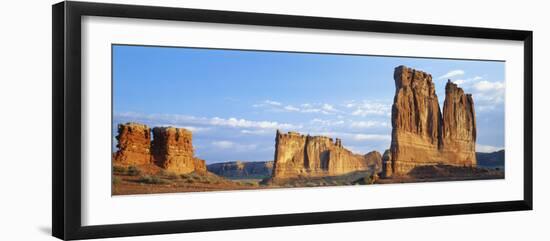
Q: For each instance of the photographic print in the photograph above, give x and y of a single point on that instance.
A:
(199, 119)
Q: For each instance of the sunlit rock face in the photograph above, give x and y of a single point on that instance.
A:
(172, 150)
(298, 155)
(459, 127)
(421, 135)
(134, 145)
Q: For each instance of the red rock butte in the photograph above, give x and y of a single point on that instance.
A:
(421, 134)
(170, 149)
(134, 144)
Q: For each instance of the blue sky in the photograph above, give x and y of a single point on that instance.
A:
(233, 101)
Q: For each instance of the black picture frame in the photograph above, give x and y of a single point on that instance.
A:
(66, 127)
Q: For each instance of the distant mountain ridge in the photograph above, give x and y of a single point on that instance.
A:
(491, 160)
(242, 170)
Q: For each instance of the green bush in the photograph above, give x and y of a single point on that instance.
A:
(119, 170)
(133, 171)
(311, 184)
(152, 180)
(116, 180)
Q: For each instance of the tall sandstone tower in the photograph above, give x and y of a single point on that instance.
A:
(421, 135)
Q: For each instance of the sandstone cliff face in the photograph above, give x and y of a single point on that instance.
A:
(172, 149)
(239, 169)
(459, 126)
(134, 142)
(297, 155)
(421, 135)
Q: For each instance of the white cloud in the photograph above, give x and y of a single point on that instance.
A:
(270, 102)
(322, 122)
(194, 129)
(487, 148)
(459, 81)
(452, 73)
(291, 108)
(223, 144)
(467, 81)
(234, 122)
(484, 86)
(201, 123)
(274, 106)
(266, 103)
(257, 132)
(317, 122)
(368, 108)
(313, 110)
(328, 107)
(488, 95)
(354, 136)
(368, 124)
(349, 105)
(371, 137)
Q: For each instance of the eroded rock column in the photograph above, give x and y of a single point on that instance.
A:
(172, 150)
(134, 145)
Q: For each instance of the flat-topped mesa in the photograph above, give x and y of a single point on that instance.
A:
(421, 135)
(134, 145)
(297, 155)
(240, 169)
(459, 126)
(172, 149)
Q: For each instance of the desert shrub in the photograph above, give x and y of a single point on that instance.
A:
(311, 184)
(133, 171)
(189, 180)
(116, 180)
(152, 180)
(249, 183)
(119, 170)
(367, 180)
(169, 175)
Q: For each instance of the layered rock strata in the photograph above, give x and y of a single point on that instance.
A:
(298, 155)
(172, 149)
(459, 127)
(421, 135)
(134, 145)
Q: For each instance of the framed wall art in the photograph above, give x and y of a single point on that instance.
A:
(170, 120)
